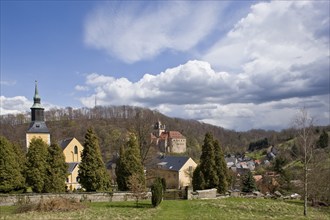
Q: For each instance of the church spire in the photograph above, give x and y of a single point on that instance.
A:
(38, 127)
(36, 98)
(37, 111)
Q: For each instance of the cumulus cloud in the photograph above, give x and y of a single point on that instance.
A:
(273, 35)
(19, 104)
(195, 90)
(273, 61)
(134, 31)
(14, 105)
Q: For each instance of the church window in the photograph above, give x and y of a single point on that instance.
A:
(75, 150)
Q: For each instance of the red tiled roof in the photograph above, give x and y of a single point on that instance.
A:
(175, 134)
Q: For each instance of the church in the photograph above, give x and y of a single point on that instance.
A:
(71, 147)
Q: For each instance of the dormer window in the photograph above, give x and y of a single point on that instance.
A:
(75, 150)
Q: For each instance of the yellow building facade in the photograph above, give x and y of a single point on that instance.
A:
(72, 150)
(176, 170)
(44, 137)
(71, 147)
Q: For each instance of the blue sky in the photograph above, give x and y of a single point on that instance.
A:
(240, 65)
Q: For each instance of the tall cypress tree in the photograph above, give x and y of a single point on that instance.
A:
(157, 192)
(129, 163)
(11, 177)
(92, 172)
(57, 170)
(221, 168)
(207, 163)
(36, 165)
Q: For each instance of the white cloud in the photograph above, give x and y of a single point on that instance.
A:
(19, 104)
(274, 35)
(134, 31)
(14, 105)
(195, 90)
(81, 88)
(272, 62)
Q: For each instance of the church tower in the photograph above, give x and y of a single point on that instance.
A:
(38, 127)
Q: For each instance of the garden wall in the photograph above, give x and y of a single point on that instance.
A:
(11, 199)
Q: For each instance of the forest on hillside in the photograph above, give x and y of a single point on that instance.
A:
(113, 123)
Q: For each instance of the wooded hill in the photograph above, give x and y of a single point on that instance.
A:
(113, 123)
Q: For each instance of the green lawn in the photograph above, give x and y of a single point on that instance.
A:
(230, 208)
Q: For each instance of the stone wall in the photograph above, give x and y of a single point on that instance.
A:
(202, 194)
(10, 199)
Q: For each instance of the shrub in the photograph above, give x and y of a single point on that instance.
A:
(157, 192)
(50, 205)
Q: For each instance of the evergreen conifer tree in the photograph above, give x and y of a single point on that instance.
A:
(207, 163)
(248, 183)
(221, 168)
(11, 177)
(57, 170)
(323, 140)
(20, 157)
(122, 172)
(129, 163)
(92, 172)
(198, 181)
(36, 165)
(157, 192)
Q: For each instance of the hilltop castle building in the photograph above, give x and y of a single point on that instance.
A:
(168, 141)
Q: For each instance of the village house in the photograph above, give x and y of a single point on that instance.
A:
(72, 150)
(176, 170)
(168, 141)
(240, 165)
(71, 147)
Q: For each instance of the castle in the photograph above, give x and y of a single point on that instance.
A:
(168, 141)
(71, 147)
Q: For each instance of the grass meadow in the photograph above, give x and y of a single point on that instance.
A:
(229, 208)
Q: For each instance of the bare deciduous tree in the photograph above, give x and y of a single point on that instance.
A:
(137, 188)
(303, 123)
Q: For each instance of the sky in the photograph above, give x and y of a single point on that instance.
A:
(236, 64)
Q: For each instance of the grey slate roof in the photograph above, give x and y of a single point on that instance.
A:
(72, 166)
(38, 127)
(64, 143)
(171, 162)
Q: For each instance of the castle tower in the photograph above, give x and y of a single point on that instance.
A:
(38, 127)
(159, 128)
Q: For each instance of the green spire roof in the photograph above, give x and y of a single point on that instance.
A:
(36, 97)
(36, 94)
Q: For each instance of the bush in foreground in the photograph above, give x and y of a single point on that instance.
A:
(58, 204)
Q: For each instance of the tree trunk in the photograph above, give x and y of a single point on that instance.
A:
(305, 190)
